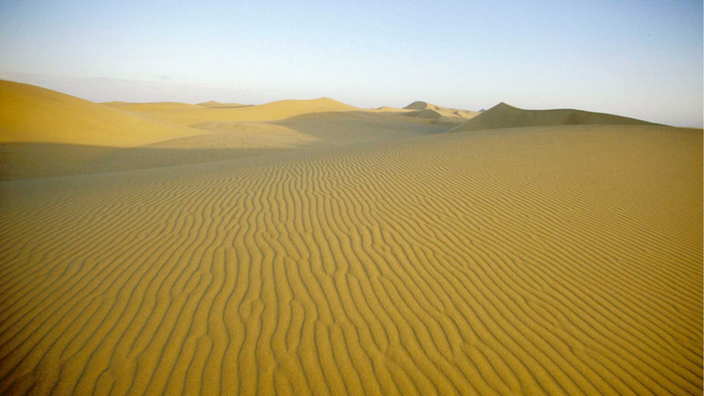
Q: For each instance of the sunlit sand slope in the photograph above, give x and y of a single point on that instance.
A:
(47, 133)
(439, 114)
(507, 116)
(419, 105)
(214, 104)
(231, 140)
(30, 114)
(559, 260)
(44, 133)
(186, 114)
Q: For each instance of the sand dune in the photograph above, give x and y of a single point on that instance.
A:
(439, 115)
(195, 114)
(507, 116)
(236, 140)
(215, 104)
(29, 114)
(392, 109)
(449, 113)
(549, 260)
(34, 121)
(311, 247)
(46, 133)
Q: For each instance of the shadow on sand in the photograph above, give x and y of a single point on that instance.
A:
(332, 129)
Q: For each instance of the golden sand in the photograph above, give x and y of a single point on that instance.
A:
(507, 116)
(184, 114)
(440, 115)
(30, 114)
(539, 260)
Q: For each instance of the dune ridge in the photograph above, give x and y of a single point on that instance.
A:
(214, 104)
(506, 116)
(33, 114)
(439, 114)
(550, 260)
(44, 133)
(274, 111)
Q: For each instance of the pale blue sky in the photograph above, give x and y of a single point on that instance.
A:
(635, 58)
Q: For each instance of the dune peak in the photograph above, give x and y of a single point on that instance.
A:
(504, 115)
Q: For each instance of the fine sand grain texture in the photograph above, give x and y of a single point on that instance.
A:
(546, 260)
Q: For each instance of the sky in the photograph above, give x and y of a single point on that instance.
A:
(639, 58)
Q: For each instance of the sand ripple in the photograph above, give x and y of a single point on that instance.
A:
(563, 260)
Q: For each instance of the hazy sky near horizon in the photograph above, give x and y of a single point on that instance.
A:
(636, 58)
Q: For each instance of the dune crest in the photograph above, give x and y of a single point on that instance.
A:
(30, 114)
(214, 104)
(440, 115)
(45, 133)
(504, 115)
(49, 134)
(196, 114)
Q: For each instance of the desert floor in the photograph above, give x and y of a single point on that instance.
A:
(310, 247)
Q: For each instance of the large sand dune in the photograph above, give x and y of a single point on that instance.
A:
(44, 133)
(47, 133)
(184, 114)
(438, 114)
(30, 114)
(507, 116)
(218, 105)
(358, 252)
(420, 106)
(233, 140)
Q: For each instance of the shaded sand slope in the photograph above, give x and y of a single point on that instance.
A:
(34, 122)
(420, 105)
(559, 260)
(195, 114)
(215, 104)
(224, 140)
(506, 116)
(44, 133)
(230, 140)
(30, 114)
(439, 114)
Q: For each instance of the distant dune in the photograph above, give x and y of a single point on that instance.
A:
(46, 133)
(219, 105)
(30, 114)
(506, 116)
(274, 111)
(420, 105)
(439, 114)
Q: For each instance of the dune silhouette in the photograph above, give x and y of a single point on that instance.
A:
(215, 104)
(507, 116)
(438, 114)
(33, 114)
(194, 114)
